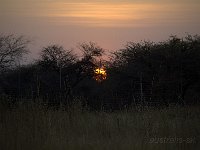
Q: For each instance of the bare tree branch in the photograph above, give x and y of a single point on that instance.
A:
(12, 48)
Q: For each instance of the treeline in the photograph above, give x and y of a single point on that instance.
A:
(145, 73)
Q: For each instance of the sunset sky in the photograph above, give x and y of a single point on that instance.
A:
(110, 23)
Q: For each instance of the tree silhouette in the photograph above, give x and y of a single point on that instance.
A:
(12, 48)
(56, 56)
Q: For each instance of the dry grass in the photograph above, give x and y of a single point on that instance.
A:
(33, 127)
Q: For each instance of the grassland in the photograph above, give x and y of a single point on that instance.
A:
(37, 127)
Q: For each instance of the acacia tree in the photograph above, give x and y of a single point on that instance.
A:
(91, 52)
(12, 48)
(56, 56)
(65, 69)
(84, 83)
(91, 49)
(55, 63)
(170, 69)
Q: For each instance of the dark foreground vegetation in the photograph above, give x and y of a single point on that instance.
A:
(149, 100)
(145, 73)
(35, 126)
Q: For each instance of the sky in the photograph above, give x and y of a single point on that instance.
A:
(109, 23)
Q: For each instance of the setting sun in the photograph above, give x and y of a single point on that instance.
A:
(100, 74)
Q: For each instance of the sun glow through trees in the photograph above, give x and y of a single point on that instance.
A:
(100, 74)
